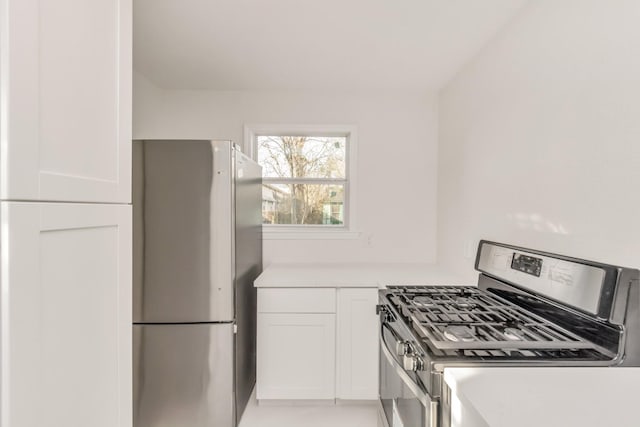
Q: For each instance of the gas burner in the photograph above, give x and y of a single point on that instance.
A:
(513, 324)
(464, 293)
(464, 302)
(422, 301)
(513, 334)
(459, 333)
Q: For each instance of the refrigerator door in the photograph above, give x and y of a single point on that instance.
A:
(183, 375)
(248, 223)
(183, 231)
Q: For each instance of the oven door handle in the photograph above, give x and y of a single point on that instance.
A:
(408, 381)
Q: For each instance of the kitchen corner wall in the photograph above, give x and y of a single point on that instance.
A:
(397, 153)
(540, 137)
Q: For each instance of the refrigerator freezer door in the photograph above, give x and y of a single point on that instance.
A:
(183, 375)
(183, 231)
(248, 223)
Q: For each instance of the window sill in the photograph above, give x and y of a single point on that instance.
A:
(271, 234)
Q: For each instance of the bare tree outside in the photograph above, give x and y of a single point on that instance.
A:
(304, 179)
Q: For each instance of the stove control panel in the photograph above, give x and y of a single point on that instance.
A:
(526, 264)
(563, 279)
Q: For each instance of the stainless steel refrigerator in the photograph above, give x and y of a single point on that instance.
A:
(197, 249)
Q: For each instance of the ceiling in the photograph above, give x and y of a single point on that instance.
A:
(311, 44)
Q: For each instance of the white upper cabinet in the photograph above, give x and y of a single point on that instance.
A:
(65, 100)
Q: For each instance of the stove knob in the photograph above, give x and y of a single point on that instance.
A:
(402, 348)
(411, 363)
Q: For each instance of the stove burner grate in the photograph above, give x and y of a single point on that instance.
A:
(465, 317)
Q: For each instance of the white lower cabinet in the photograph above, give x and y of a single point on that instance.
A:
(317, 343)
(66, 315)
(357, 344)
(296, 356)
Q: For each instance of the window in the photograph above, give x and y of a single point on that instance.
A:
(306, 176)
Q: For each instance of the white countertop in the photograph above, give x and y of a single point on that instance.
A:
(352, 275)
(549, 397)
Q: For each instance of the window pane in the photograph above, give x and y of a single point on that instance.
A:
(302, 156)
(319, 204)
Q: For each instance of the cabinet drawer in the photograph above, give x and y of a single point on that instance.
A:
(296, 300)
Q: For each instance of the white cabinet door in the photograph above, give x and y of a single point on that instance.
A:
(296, 356)
(357, 353)
(65, 104)
(66, 315)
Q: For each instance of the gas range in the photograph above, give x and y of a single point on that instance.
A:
(529, 308)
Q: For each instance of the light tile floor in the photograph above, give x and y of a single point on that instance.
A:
(320, 415)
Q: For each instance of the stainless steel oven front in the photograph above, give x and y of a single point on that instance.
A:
(404, 400)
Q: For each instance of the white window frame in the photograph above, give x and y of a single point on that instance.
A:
(294, 231)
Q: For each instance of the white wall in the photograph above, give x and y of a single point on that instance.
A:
(397, 152)
(540, 137)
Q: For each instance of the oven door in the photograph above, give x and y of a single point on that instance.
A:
(404, 401)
